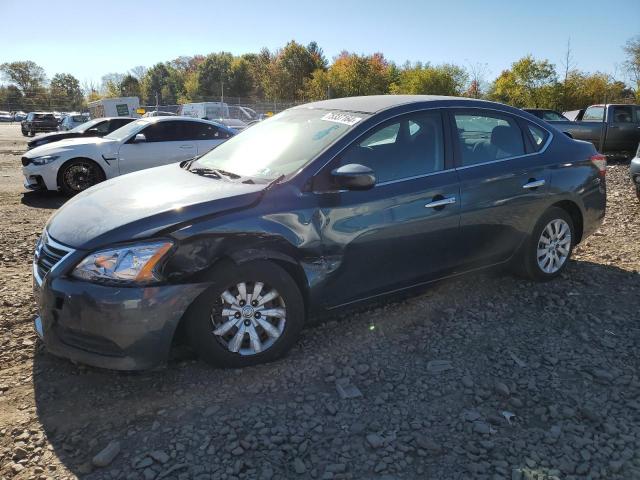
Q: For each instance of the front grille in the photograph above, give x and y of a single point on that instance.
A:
(48, 254)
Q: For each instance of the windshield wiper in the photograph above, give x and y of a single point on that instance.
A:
(206, 172)
(274, 182)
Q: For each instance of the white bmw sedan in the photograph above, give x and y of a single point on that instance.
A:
(76, 164)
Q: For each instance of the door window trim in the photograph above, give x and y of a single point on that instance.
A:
(517, 118)
(446, 145)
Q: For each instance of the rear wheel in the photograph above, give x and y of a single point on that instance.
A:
(547, 251)
(78, 175)
(253, 314)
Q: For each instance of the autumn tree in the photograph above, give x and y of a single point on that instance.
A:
(528, 83)
(419, 79)
(632, 63)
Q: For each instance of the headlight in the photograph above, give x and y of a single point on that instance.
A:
(44, 159)
(132, 263)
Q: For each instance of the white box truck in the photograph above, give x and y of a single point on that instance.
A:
(115, 107)
(205, 110)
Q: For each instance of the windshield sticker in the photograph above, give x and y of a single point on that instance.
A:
(343, 118)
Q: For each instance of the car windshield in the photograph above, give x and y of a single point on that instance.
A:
(126, 131)
(280, 145)
(84, 126)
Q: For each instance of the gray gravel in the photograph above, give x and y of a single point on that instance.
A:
(486, 376)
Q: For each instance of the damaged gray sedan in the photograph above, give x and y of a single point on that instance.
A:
(321, 206)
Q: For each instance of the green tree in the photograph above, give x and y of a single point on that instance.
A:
(447, 79)
(130, 86)
(29, 78)
(11, 98)
(213, 72)
(529, 83)
(164, 81)
(65, 92)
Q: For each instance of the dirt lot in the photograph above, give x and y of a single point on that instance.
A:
(487, 376)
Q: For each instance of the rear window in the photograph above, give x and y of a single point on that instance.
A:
(43, 116)
(539, 136)
(552, 116)
(593, 114)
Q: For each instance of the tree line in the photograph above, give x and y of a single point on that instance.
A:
(299, 73)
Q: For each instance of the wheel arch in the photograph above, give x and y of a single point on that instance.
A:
(66, 162)
(576, 215)
(246, 255)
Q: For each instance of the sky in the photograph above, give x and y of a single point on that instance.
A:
(89, 39)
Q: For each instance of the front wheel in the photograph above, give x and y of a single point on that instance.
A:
(252, 314)
(547, 251)
(78, 175)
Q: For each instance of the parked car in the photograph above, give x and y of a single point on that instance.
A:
(19, 116)
(634, 170)
(155, 113)
(72, 120)
(93, 128)
(38, 122)
(234, 123)
(323, 205)
(574, 115)
(75, 164)
(546, 114)
(5, 117)
(613, 128)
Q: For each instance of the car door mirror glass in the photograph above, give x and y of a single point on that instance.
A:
(353, 177)
(139, 138)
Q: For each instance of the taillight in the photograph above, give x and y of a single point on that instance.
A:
(600, 161)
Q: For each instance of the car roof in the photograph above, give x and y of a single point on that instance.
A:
(181, 119)
(377, 103)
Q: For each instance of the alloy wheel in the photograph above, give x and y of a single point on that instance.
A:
(554, 246)
(80, 176)
(252, 318)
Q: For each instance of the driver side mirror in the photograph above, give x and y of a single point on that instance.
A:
(139, 138)
(353, 177)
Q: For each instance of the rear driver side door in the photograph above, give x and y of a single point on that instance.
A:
(503, 183)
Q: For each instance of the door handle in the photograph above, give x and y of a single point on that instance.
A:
(441, 203)
(186, 146)
(534, 184)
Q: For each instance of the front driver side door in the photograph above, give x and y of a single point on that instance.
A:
(404, 230)
(164, 143)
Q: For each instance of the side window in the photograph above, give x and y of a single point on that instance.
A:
(539, 136)
(203, 131)
(623, 114)
(485, 137)
(404, 148)
(163, 132)
(593, 114)
(116, 124)
(552, 116)
(103, 127)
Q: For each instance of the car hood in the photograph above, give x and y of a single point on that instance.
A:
(140, 204)
(53, 136)
(83, 143)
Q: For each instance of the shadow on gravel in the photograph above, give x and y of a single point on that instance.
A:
(48, 200)
(82, 409)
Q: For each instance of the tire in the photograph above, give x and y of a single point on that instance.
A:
(25, 134)
(552, 224)
(77, 175)
(638, 191)
(205, 318)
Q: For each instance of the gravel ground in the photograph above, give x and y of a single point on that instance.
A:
(486, 376)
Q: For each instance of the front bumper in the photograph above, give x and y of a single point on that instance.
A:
(41, 177)
(110, 327)
(634, 170)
